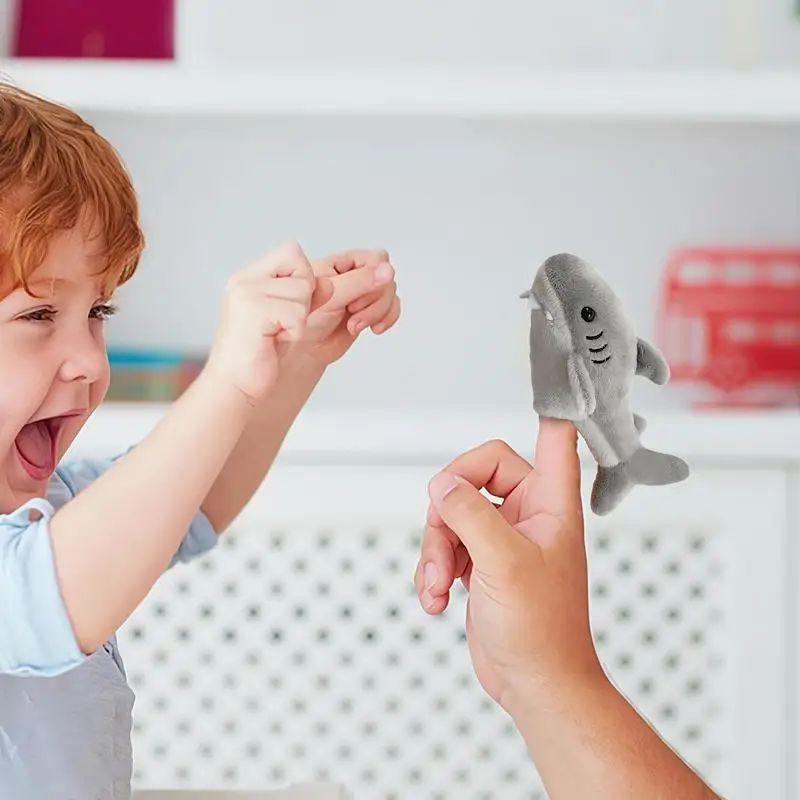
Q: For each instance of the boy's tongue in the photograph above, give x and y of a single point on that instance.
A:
(35, 445)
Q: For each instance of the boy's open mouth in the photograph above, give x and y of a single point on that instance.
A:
(37, 446)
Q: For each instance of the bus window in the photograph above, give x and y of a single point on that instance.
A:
(787, 272)
(695, 272)
(686, 341)
(741, 330)
(739, 272)
(786, 331)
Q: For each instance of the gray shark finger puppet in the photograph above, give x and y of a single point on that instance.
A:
(584, 355)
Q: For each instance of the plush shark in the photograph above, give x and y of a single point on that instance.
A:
(584, 355)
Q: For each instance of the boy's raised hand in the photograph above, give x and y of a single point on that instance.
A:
(265, 305)
(282, 303)
(524, 563)
(355, 290)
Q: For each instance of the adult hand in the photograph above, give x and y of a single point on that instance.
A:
(523, 562)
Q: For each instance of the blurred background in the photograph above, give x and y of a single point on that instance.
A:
(661, 141)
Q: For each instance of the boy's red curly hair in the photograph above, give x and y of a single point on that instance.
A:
(56, 172)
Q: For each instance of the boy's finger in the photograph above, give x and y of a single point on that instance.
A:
(287, 260)
(351, 259)
(364, 302)
(349, 286)
(323, 291)
(557, 463)
(390, 319)
(298, 289)
(373, 314)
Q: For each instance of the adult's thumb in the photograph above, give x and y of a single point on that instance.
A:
(489, 539)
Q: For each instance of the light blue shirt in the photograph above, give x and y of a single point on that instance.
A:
(65, 718)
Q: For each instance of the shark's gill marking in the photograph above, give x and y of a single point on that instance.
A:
(592, 338)
(598, 349)
(602, 360)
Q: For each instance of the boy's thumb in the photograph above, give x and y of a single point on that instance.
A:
(474, 519)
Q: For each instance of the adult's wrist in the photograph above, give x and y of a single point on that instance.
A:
(532, 698)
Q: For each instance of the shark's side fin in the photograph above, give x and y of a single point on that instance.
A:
(650, 363)
(581, 385)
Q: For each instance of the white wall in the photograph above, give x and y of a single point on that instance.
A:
(467, 210)
(533, 33)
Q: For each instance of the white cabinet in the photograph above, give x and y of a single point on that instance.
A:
(297, 651)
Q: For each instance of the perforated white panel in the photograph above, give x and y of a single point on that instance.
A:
(300, 653)
(662, 631)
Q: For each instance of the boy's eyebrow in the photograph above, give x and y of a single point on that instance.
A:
(51, 283)
(48, 283)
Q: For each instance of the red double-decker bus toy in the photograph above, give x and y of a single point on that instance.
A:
(729, 319)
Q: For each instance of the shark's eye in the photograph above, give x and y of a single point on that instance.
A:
(588, 314)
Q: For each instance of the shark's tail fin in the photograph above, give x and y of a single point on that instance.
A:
(644, 467)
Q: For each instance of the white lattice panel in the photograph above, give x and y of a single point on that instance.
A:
(297, 650)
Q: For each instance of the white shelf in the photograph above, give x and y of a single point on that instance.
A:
(344, 437)
(159, 88)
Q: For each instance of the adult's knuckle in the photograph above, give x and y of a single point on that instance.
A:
(497, 449)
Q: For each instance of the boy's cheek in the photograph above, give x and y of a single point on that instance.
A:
(99, 389)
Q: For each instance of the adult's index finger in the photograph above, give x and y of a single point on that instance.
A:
(557, 463)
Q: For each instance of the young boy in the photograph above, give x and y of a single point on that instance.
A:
(82, 543)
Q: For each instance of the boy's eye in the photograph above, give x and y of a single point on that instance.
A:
(40, 315)
(103, 311)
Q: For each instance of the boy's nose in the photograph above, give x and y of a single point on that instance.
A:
(85, 360)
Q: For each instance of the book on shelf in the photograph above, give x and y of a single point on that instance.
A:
(151, 374)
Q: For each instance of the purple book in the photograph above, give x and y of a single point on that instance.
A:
(134, 29)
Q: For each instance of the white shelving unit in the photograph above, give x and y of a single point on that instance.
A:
(156, 88)
(437, 436)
